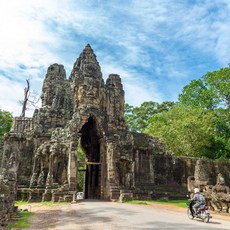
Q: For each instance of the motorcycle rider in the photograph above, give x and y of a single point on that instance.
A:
(199, 199)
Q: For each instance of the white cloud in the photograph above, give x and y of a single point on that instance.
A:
(22, 36)
(138, 88)
(11, 93)
(148, 43)
(136, 93)
(222, 47)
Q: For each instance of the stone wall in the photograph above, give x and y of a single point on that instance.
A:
(147, 169)
(8, 189)
(5, 204)
(20, 124)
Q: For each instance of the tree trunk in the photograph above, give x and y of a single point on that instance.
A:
(26, 92)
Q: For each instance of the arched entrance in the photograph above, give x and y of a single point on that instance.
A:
(91, 147)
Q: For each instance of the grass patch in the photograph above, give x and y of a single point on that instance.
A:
(45, 203)
(22, 221)
(53, 204)
(20, 202)
(179, 203)
(137, 202)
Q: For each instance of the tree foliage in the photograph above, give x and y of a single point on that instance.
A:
(218, 83)
(197, 125)
(210, 92)
(137, 117)
(186, 130)
(197, 94)
(6, 120)
(221, 144)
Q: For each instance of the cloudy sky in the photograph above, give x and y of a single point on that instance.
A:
(156, 46)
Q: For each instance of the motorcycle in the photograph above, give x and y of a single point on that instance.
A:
(203, 212)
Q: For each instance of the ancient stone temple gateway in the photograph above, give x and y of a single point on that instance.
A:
(41, 156)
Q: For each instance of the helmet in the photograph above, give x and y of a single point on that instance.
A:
(196, 190)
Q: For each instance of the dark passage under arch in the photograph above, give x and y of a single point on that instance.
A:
(91, 146)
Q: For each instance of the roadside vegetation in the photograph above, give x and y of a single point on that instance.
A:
(23, 221)
(24, 215)
(20, 202)
(179, 203)
(45, 203)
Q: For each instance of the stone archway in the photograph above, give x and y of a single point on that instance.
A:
(91, 144)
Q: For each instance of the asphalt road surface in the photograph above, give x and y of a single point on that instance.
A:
(99, 215)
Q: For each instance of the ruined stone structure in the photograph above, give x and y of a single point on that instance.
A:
(84, 110)
(209, 177)
(8, 186)
(5, 205)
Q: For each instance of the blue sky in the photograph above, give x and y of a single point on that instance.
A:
(156, 46)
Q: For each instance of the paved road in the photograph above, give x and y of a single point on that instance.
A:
(98, 215)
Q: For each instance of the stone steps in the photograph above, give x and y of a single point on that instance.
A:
(114, 192)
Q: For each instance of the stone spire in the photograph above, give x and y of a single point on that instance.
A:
(56, 89)
(115, 102)
(55, 76)
(87, 81)
(86, 65)
(88, 56)
(88, 50)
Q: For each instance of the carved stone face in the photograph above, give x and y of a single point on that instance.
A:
(91, 69)
(87, 91)
(220, 179)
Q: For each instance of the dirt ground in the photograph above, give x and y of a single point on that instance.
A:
(46, 216)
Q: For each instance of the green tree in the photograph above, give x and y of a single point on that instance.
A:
(137, 117)
(210, 92)
(197, 94)
(165, 106)
(143, 113)
(130, 117)
(218, 83)
(222, 134)
(6, 120)
(187, 130)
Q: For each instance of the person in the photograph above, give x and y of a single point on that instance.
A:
(199, 200)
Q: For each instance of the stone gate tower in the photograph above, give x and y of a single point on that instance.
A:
(80, 110)
(85, 111)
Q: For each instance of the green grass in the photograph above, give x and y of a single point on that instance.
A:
(179, 203)
(22, 221)
(45, 203)
(53, 204)
(20, 202)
